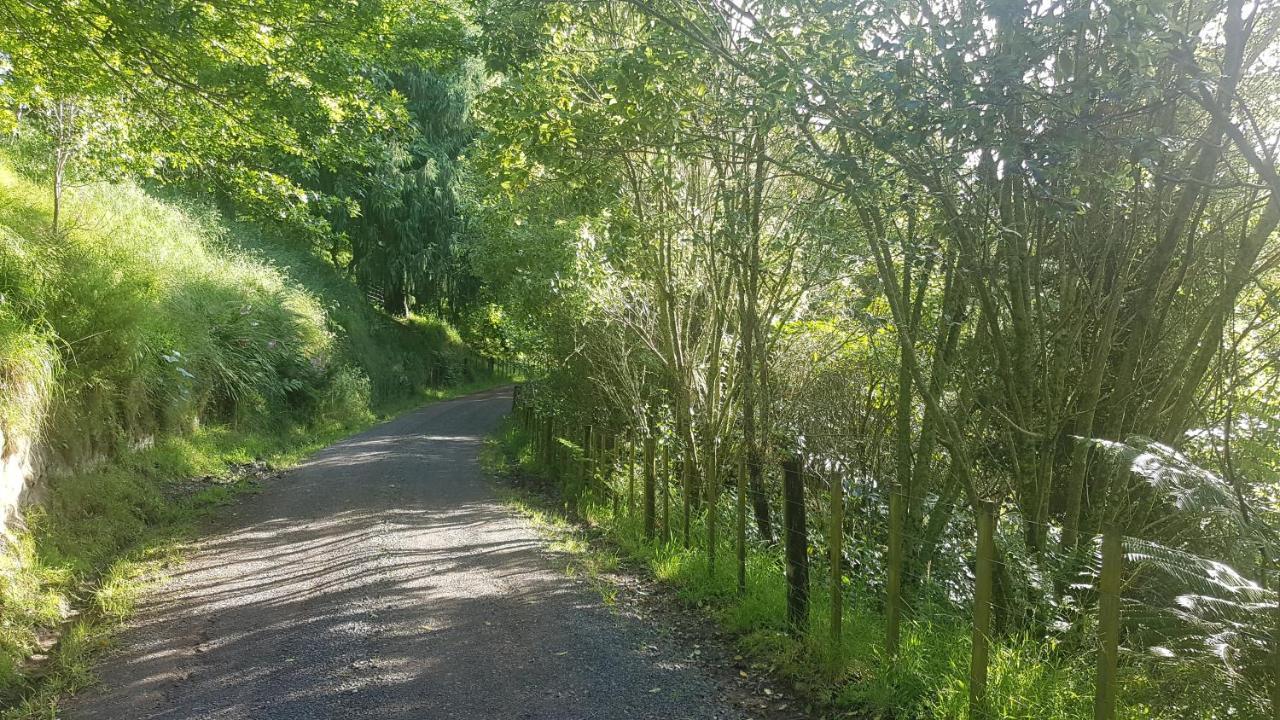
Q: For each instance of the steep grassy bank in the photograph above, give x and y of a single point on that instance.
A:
(148, 342)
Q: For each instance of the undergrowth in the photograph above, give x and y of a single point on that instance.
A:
(1028, 679)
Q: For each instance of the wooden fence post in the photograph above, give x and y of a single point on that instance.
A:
(666, 491)
(613, 491)
(686, 483)
(835, 539)
(713, 506)
(1104, 700)
(797, 545)
(586, 472)
(650, 496)
(985, 572)
(631, 473)
(598, 465)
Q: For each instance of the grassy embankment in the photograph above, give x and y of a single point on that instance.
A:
(151, 342)
(1028, 679)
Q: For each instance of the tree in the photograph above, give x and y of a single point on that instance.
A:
(253, 101)
(404, 235)
(991, 233)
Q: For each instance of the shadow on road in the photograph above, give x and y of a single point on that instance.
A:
(380, 579)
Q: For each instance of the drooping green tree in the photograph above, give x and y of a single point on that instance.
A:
(406, 224)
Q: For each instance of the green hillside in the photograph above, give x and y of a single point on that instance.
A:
(150, 341)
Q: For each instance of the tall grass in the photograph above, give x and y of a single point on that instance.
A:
(400, 357)
(144, 317)
(152, 340)
(141, 322)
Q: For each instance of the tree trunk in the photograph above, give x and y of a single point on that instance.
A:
(754, 356)
(61, 158)
(609, 469)
(548, 442)
(631, 474)
(750, 433)
(939, 515)
(686, 481)
(835, 541)
(742, 524)
(760, 500)
(713, 506)
(919, 552)
(395, 301)
(57, 198)
(613, 491)
(586, 471)
(897, 513)
(666, 491)
(650, 496)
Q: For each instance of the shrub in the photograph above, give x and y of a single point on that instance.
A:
(346, 398)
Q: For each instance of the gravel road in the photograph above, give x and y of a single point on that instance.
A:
(381, 579)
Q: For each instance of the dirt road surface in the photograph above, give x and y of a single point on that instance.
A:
(382, 579)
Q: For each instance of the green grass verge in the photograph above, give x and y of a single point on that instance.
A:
(1028, 679)
(70, 577)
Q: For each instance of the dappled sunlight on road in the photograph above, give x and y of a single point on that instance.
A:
(380, 579)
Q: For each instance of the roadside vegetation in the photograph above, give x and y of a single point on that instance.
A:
(229, 234)
(161, 344)
(929, 678)
(935, 342)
